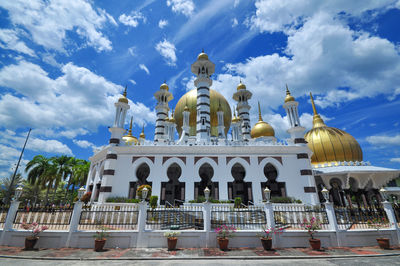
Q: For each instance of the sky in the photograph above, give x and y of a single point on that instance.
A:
(63, 65)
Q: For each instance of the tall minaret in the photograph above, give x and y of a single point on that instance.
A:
(221, 126)
(242, 96)
(117, 130)
(203, 69)
(236, 132)
(185, 126)
(296, 131)
(163, 96)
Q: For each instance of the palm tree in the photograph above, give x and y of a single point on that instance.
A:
(72, 163)
(80, 174)
(37, 167)
(61, 163)
(7, 190)
(48, 178)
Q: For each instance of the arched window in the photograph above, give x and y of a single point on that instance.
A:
(238, 188)
(173, 191)
(278, 189)
(206, 173)
(142, 172)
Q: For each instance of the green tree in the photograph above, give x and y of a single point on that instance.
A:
(61, 164)
(37, 169)
(7, 191)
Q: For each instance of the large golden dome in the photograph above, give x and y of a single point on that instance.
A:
(261, 128)
(331, 145)
(190, 100)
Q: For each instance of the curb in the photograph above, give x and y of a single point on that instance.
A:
(203, 258)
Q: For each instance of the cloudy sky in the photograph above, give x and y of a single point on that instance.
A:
(64, 63)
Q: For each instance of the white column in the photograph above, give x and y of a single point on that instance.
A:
(207, 222)
(141, 239)
(8, 224)
(387, 206)
(73, 226)
(330, 212)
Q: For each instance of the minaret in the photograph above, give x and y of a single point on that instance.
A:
(142, 137)
(203, 69)
(121, 107)
(296, 131)
(185, 126)
(236, 132)
(221, 126)
(163, 96)
(242, 96)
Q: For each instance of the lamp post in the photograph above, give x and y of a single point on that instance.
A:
(267, 194)
(18, 193)
(145, 190)
(81, 192)
(325, 193)
(383, 194)
(207, 193)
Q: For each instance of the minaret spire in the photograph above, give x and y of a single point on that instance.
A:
(126, 87)
(313, 104)
(317, 120)
(259, 113)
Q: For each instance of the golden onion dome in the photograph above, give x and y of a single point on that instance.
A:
(241, 86)
(172, 119)
(261, 128)
(142, 135)
(331, 145)
(128, 138)
(190, 100)
(202, 56)
(164, 86)
(289, 97)
(235, 119)
(123, 98)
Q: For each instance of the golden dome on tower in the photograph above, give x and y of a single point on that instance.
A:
(202, 56)
(190, 101)
(123, 98)
(241, 86)
(331, 145)
(289, 97)
(261, 128)
(128, 138)
(164, 86)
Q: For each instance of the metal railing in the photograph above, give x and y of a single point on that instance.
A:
(175, 218)
(293, 216)
(396, 209)
(3, 215)
(357, 218)
(54, 219)
(249, 218)
(114, 217)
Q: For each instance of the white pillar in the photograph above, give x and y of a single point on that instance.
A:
(141, 241)
(330, 212)
(387, 206)
(8, 224)
(73, 226)
(207, 222)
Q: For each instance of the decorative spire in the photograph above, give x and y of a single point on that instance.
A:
(130, 127)
(287, 90)
(142, 136)
(128, 138)
(259, 112)
(289, 97)
(219, 106)
(126, 86)
(317, 120)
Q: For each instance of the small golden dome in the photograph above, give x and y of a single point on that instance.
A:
(261, 128)
(123, 99)
(128, 138)
(329, 144)
(172, 119)
(202, 56)
(289, 97)
(142, 136)
(241, 86)
(186, 109)
(164, 86)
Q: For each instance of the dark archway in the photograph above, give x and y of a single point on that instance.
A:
(206, 172)
(278, 189)
(142, 173)
(336, 193)
(239, 188)
(173, 189)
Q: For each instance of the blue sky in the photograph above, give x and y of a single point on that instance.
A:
(64, 64)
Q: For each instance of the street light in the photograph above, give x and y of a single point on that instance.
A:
(325, 193)
(81, 192)
(145, 190)
(207, 193)
(383, 194)
(18, 193)
(267, 194)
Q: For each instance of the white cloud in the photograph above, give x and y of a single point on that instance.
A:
(9, 40)
(144, 68)
(383, 140)
(162, 23)
(48, 21)
(234, 22)
(167, 50)
(186, 7)
(84, 144)
(395, 160)
(132, 50)
(49, 59)
(132, 81)
(132, 20)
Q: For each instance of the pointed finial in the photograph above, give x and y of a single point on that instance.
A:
(313, 105)
(287, 90)
(219, 106)
(259, 112)
(202, 50)
(130, 126)
(317, 120)
(142, 133)
(126, 86)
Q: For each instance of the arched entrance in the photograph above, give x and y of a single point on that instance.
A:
(278, 189)
(206, 172)
(173, 189)
(142, 173)
(336, 192)
(239, 188)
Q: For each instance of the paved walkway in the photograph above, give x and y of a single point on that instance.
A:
(192, 253)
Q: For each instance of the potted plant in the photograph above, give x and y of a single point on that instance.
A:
(312, 226)
(378, 223)
(223, 234)
(100, 237)
(172, 239)
(266, 236)
(30, 241)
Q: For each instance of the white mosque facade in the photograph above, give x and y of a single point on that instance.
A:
(178, 170)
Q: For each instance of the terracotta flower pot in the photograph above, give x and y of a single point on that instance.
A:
(315, 244)
(30, 242)
(99, 244)
(266, 243)
(172, 243)
(223, 243)
(384, 243)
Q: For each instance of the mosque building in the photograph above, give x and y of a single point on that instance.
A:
(242, 165)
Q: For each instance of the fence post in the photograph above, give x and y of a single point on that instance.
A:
(207, 221)
(73, 225)
(269, 212)
(330, 212)
(141, 225)
(8, 224)
(387, 206)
